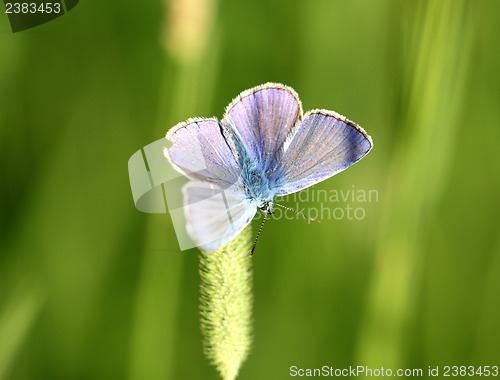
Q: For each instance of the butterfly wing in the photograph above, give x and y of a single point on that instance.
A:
(215, 203)
(322, 145)
(263, 117)
(200, 152)
(215, 215)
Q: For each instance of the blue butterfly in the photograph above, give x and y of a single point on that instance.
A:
(263, 147)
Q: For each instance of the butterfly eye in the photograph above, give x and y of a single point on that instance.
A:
(266, 208)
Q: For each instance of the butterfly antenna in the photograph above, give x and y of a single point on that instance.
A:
(300, 213)
(258, 234)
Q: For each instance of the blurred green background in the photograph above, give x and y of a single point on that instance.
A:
(90, 288)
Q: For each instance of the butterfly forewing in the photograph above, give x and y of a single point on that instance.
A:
(324, 144)
(200, 151)
(264, 117)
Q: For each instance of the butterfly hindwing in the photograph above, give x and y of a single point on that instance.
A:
(215, 215)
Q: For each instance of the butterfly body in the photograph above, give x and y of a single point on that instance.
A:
(263, 147)
(258, 183)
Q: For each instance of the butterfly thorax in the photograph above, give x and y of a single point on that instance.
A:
(267, 207)
(258, 188)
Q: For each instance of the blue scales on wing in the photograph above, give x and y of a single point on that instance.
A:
(216, 206)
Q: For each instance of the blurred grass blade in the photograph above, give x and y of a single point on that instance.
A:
(16, 320)
(187, 37)
(437, 72)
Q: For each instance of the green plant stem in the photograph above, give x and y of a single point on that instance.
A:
(226, 304)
